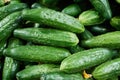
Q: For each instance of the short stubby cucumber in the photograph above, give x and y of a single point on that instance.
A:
(54, 19)
(45, 54)
(107, 70)
(61, 76)
(109, 40)
(35, 72)
(47, 36)
(85, 59)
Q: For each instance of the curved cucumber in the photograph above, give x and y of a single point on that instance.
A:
(47, 36)
(8, 24)
(11, 66)
(35, 72)
(45, 54)
(109, 40)
(10, 8)
(107, 70)
(54, 19)
(85, 59)
(61, 76)
(103, 7)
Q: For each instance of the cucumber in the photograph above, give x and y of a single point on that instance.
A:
(47, 36)
(90, 17)
(11, 66)
(103, 7)
(109, 40)
(75, 49)
(3, 44)
(35, 72)
(8, 24)
(85, 59)
(37, 5)
(86, 35)
(44, 54)
(118, 1)
(99, 29)
(72, 10)
(107, 70)
(54, 19)
(10, 8)
(61, 76)
(115, 22)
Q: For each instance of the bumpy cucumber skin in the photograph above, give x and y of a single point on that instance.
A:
(103, 7)
(8, 9)
(91, 17)
(11, 66)
(35, 72)
(107, 70)
(47, 36)
(3, 44)
(109, 40)
(45, 54)
(85, 59)
(54, 19)
(61, 76)
(73, 10)
(115, 22)
(8, 24)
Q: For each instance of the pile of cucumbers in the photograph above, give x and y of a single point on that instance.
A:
(59, 39)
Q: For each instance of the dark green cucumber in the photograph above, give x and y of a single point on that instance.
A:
(107, 70)
(61, 76)
(90, 17)
(35, 72)
(49, 3)
(115, 22)
(85, 59)
(47, 36)
(86, 35)
(109, 40)
(8, 24)
(72, 10)
(54, 19)
(103, 7)
(11, 66)
(45, 54)
(3, 44)
(75, 49)
(10, 8)
(99, 29)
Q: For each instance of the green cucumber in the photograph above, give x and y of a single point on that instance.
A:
(72, 10)
(8, 24)
(35, 72)
(44, 54)
(99, 29)
(107, 70)
(90, 17)
(85, 59)
(61, 76)
(47, 36)
(3, 44)
(86, 35)
(103, 7)
(118, 1)
(11, 66)
(10, 8)
(115, 22)
(75, 49)
(54, 19)
(37, 5)
(109, 40)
